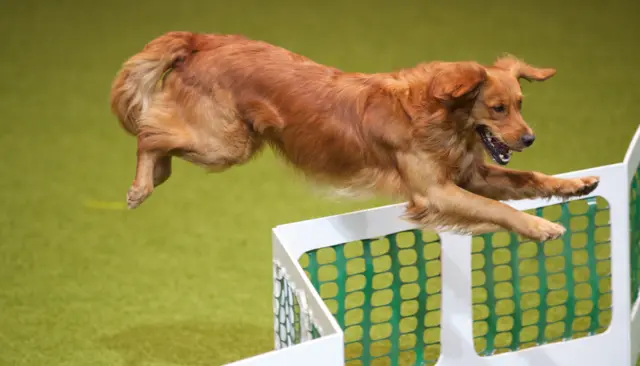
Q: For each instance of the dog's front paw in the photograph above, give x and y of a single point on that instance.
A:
(136, 195)
(540, 229)
(578, 186)
(587, 185)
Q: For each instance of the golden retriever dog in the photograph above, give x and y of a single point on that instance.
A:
(418, 134)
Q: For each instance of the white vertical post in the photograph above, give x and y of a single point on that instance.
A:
(632, 162)
(456, 333)
(618, 199)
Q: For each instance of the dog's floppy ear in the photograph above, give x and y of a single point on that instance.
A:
(458, 80)
(521, 70)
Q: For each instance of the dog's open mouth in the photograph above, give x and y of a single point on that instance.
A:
(498, 150)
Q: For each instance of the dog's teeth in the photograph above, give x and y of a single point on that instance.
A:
(504, 157)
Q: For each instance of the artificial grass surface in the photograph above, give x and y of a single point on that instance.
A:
(185, 279)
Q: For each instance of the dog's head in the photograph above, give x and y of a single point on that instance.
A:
(494, 97)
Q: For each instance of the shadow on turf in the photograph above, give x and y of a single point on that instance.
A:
(191, 343)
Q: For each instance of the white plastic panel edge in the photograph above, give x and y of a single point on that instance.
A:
(328, 350)
(325, 351)
(632, 161)
(632, 157)
(320, 313)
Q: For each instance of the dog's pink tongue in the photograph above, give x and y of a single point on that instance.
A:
(503, 149)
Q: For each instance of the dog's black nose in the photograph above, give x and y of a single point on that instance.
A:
(528, 140)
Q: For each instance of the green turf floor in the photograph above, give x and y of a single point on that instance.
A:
(185, 280)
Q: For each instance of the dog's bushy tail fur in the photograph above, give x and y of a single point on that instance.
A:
(134, 86)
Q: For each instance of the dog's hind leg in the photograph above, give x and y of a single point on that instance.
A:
(153, 167)
(160, 132)
(161, 170)
(143, 182)
(219, 135)
(216, 145)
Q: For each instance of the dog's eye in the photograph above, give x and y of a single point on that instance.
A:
(499, 108)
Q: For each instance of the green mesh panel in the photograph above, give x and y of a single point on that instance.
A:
(286, 315)
(634, 225)
(527, 293)
(287, 320)
(385, 294)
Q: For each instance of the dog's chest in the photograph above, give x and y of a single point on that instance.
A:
(464, 164)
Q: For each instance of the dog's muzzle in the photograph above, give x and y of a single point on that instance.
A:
(499, 151)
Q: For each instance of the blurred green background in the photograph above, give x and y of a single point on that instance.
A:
(186, 278)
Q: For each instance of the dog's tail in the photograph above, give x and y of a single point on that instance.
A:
(135, 84)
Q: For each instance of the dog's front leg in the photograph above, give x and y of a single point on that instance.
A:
(449, 207)
(429, 217)
(437, 203)
(507, 184)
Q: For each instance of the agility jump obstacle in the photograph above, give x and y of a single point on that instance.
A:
(367, 288)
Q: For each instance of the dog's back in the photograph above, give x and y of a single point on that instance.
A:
(214, 99)
(247, 68)
(252, 69)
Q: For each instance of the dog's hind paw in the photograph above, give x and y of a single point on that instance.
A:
(136, 195)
